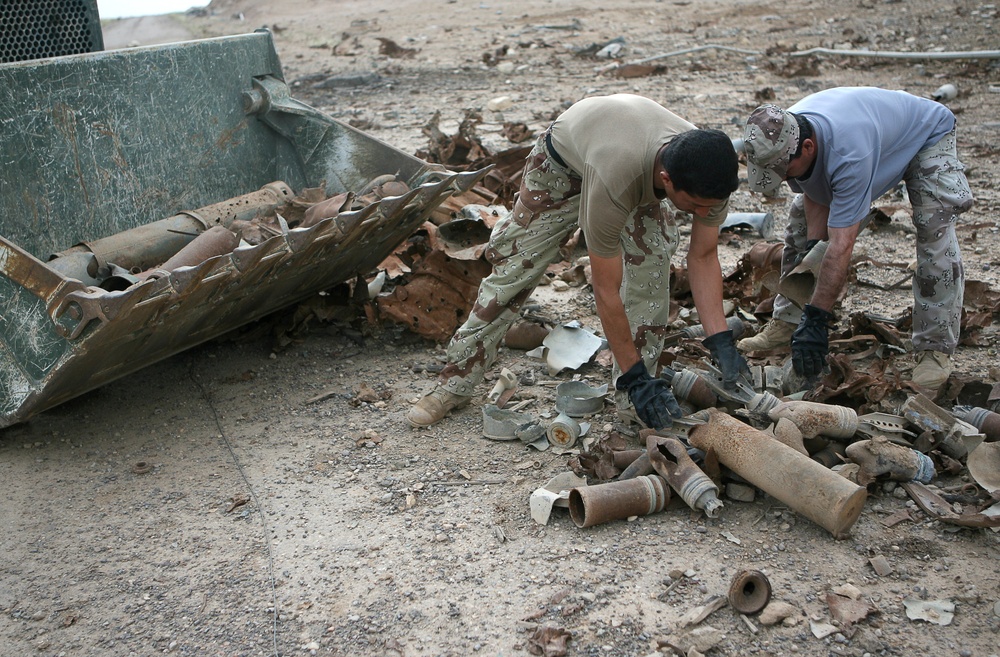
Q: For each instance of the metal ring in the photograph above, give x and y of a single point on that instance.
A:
(749, 591)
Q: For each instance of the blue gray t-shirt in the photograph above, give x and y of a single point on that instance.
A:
(866, 138)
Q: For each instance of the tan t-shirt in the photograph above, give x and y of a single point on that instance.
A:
(612, 142)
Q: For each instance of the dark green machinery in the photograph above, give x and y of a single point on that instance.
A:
(112, 153)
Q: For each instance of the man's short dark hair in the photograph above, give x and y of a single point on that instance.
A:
(702, 163)
(805, 132)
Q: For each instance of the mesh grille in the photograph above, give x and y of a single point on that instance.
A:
(33, 29)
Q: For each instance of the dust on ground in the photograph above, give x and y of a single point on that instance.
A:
(206, 506)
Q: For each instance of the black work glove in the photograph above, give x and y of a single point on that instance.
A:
(799, 257)
(810, 343)
(652, 399)
(727, 359)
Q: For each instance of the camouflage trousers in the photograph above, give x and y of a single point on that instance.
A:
(528, 239)
(938, 192)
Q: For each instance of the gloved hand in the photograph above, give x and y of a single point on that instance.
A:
(727, 359)
(652, 399)
(810, 343)
(799, 257)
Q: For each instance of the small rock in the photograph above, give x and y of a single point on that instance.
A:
(740, 492)
(881, 565)
(776, 611)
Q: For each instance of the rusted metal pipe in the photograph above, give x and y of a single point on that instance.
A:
(815, 419)
(671, 461)
(149, 245)
(625, 457)
(749, 592)
(640, 466)
(689, 386)
(215, 241)
(616, 500)
(819, 494)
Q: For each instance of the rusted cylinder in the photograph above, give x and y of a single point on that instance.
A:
(815, 419)
(593, 505)
(640, 466)
(625, 457)
(146, 246)
(671, 461)
(983, 419)
(689, 386)
(829, 456)
(765, 256)
(819, 494)
(749, 592)
(215, 241)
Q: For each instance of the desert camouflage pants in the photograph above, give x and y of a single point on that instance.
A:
(938, 192)
(527, 240)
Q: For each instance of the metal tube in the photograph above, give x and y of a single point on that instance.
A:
(749, 592)
(671, 461)
(215, 241)
(616, 500)
(819, 494)
(816, 419)
(149, 245)
(638, 467)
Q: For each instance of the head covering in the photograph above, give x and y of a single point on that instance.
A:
(769, 140)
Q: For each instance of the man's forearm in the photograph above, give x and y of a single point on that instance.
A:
(833, 272)
(705, 276)
(617, 330)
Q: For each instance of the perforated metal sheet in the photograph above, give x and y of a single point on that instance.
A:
(35, 29)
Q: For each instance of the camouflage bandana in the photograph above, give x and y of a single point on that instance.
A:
(770, 140)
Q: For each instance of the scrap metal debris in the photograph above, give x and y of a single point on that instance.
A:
(938, 612)
(549, 641)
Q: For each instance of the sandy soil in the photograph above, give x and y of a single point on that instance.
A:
(207, 506)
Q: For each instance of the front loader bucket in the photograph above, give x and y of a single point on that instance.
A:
(118, 143)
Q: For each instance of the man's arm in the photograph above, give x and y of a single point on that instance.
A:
(833, 272)
(705, 275)
(607, 282)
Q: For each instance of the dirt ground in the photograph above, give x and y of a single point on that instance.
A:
(212, 505)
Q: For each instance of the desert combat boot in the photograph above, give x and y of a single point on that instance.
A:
(932, 370)
(776, 333)
(434, 406)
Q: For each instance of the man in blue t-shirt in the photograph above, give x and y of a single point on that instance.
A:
(841, 149)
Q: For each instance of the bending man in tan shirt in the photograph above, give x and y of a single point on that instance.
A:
(616, 166)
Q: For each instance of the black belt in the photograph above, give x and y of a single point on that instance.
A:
(552, 151)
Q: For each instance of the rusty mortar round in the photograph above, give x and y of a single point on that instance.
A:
(749, 592)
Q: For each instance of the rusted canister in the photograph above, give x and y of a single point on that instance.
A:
(691, 387)
(215, 241)
(625, 457)
(764, 255)
(815, 419)
(638, 467)
(819, 494)
(985, 420)
(749, 592)
(615, 500)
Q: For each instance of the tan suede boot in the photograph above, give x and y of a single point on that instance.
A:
(932, 370)
(434, 406)
(776, 333)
